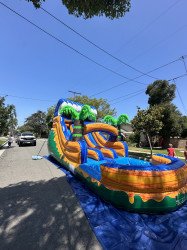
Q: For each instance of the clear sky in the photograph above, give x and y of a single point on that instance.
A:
(34, 65)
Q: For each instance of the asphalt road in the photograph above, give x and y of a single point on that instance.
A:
(38, 209)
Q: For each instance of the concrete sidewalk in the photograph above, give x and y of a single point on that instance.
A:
(38, 209)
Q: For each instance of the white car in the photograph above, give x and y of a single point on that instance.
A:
(26, 138)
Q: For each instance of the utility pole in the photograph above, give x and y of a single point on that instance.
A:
(183, 59)
(74, 92)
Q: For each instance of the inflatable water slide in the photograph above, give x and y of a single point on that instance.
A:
(94, 153)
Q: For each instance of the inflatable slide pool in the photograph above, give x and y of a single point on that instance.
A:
(93, 152)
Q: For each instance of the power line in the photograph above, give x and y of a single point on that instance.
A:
(131, 95)
(148, 25)
(183, 59)
(120, 84)
(74, 92)
(28, 98)
(143, 90)
(157, 43)
(177, 77)
(184, 107)
(75, 50)
(95, 45)
(117, 98)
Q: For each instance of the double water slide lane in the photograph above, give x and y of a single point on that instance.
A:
(96, 150)
(92, 153)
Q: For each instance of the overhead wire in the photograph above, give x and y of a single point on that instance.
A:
(120, 84)
(59, 40)
(27, 98)
(67, 45)
(94, 44)
(157, 43)
(143, 91)
(149, 24)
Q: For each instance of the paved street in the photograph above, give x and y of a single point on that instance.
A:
(38, 209)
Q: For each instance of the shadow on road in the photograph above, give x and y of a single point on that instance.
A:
(42, 215)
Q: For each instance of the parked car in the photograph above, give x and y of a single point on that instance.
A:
(26, 138)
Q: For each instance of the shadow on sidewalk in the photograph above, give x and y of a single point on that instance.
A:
(42, 215)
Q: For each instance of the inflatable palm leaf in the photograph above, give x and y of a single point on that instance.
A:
(92, 117)
(110, 120)
(69, 112)
(85, 113)
(122, 119)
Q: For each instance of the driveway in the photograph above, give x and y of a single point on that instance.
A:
(38, 209)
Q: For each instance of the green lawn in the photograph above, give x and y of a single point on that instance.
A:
(156, 151)
(2, 142)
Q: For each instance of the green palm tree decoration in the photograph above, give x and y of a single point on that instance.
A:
(110, 120)
(69, 112)
(87, 114)
(78, 118)
(122, 119)
(92, 117)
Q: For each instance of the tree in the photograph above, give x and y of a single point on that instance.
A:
(102, 106)
(184, 127)
(160, 92)
(89, 8)
(148, 121)
(49, 116)
(12, 118)
(8, 119)
(172, 122)
(37, 123)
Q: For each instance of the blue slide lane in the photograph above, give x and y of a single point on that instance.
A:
(118, 230)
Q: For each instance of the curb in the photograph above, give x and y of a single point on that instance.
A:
(142, 152)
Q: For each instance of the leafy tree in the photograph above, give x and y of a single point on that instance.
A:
(37, 123)
(49, 116)
(89, 8)
(184, 127)
(172, 122)
(160, 92)
(148, 121)
(102, 106)
(12, 118)
(8, 119)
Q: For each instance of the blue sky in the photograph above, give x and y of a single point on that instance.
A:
(34, 65)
